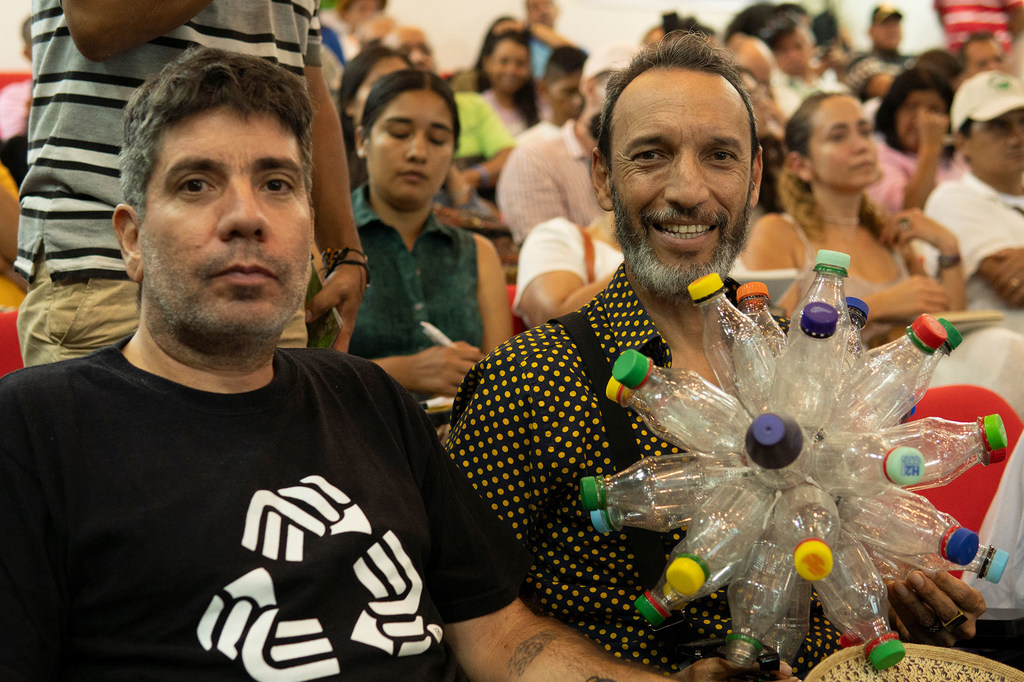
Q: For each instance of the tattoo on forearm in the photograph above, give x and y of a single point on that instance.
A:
(528, 650)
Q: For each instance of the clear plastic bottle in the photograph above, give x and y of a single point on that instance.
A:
(952, 342)
(810, 369)
(903, 523)
(805, 522)
(657, 603)
(863, 464)
(988, 564)
(680, 405)
(734, 346)
(774, 447)
(757, 599)
(950, 448)
(789, 632)
(858, 310)
(719, 538)
(888, 385)
(828, 286)
(752, 299)
(657, 493)
(855, 599)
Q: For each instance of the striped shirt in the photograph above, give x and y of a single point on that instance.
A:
(960, 19)
(72, 186)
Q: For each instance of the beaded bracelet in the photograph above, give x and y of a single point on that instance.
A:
(333, 258)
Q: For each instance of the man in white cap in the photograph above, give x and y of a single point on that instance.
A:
(985, 208)
(549, 177)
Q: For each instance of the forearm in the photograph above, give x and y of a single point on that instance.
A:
(514, 644)
(332, 202)
(9, 210)
(401, 368)
(922, 182)
(103, 29)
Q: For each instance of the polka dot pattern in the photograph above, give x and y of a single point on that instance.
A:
(526, 428)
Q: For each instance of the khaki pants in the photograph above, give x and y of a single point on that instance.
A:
(69, 319)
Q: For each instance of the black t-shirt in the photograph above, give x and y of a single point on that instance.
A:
(311, 528)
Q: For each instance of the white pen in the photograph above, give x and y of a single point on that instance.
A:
(436, 335)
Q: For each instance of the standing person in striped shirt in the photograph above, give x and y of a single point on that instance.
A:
(88, 57)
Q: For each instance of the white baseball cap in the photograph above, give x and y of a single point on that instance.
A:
(985, 96)
(607, 58)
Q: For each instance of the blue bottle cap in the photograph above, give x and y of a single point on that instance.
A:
(858, 304)
(819, 320)
(774, 441)
(961, 547)
(997, 566)
(599, 519)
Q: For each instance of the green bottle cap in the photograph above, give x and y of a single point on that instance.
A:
(953, 336)
(707, 285)
(832, 259)
(648, 610)
(887, 654)
(995, 436)
(904, 465)
(632, 368)
(592, 493)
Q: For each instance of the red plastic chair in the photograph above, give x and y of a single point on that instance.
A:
(10, 351)
(968, 496)
(517, 322)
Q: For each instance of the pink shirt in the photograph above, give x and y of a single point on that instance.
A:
(14, 99)
(897, 168)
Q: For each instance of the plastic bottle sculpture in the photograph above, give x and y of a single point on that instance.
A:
(777, 503)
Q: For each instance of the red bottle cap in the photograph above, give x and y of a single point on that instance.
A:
(929, 331)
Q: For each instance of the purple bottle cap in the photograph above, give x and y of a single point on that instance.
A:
(819, 320)
(774, 441)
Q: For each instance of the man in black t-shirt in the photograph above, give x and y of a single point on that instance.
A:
(193, 503)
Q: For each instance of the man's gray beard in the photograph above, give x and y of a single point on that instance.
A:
(671, 282)
(194, 327)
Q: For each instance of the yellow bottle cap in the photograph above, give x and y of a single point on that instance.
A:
(705, 286)
(813, 559)
(686, 574)
(616, 392)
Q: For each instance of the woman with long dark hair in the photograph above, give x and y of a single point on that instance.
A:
(505, 80)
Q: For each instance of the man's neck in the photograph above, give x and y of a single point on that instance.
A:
(681, 325)
(1007, 183)
(215, 374)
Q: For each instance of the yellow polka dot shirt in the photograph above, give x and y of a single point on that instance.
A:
(526, 428)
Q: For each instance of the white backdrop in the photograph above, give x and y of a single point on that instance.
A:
(456, 27)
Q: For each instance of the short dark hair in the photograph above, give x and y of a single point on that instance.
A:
(688, 51)
(352, 79)
(564, 60)
(976, 37)
(200, 80)
(911, 80)
(408, 80)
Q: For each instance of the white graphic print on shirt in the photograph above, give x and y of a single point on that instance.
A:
(243, 617)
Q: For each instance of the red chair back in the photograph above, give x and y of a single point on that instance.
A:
(10, 351)
(517, 322)
(968, 496)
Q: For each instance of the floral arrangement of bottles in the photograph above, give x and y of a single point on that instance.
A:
(798, 470)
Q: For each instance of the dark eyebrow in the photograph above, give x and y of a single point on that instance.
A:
(409, 121)
(193, 164)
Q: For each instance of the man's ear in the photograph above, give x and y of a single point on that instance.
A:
(756, 171)
(126, 227)
(601, 177)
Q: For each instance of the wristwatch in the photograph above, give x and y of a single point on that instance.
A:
(948, 261)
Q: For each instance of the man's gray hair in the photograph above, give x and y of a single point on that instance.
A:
(200, 80)
(677, 50)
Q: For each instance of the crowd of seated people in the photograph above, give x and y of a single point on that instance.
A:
(853, 147)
